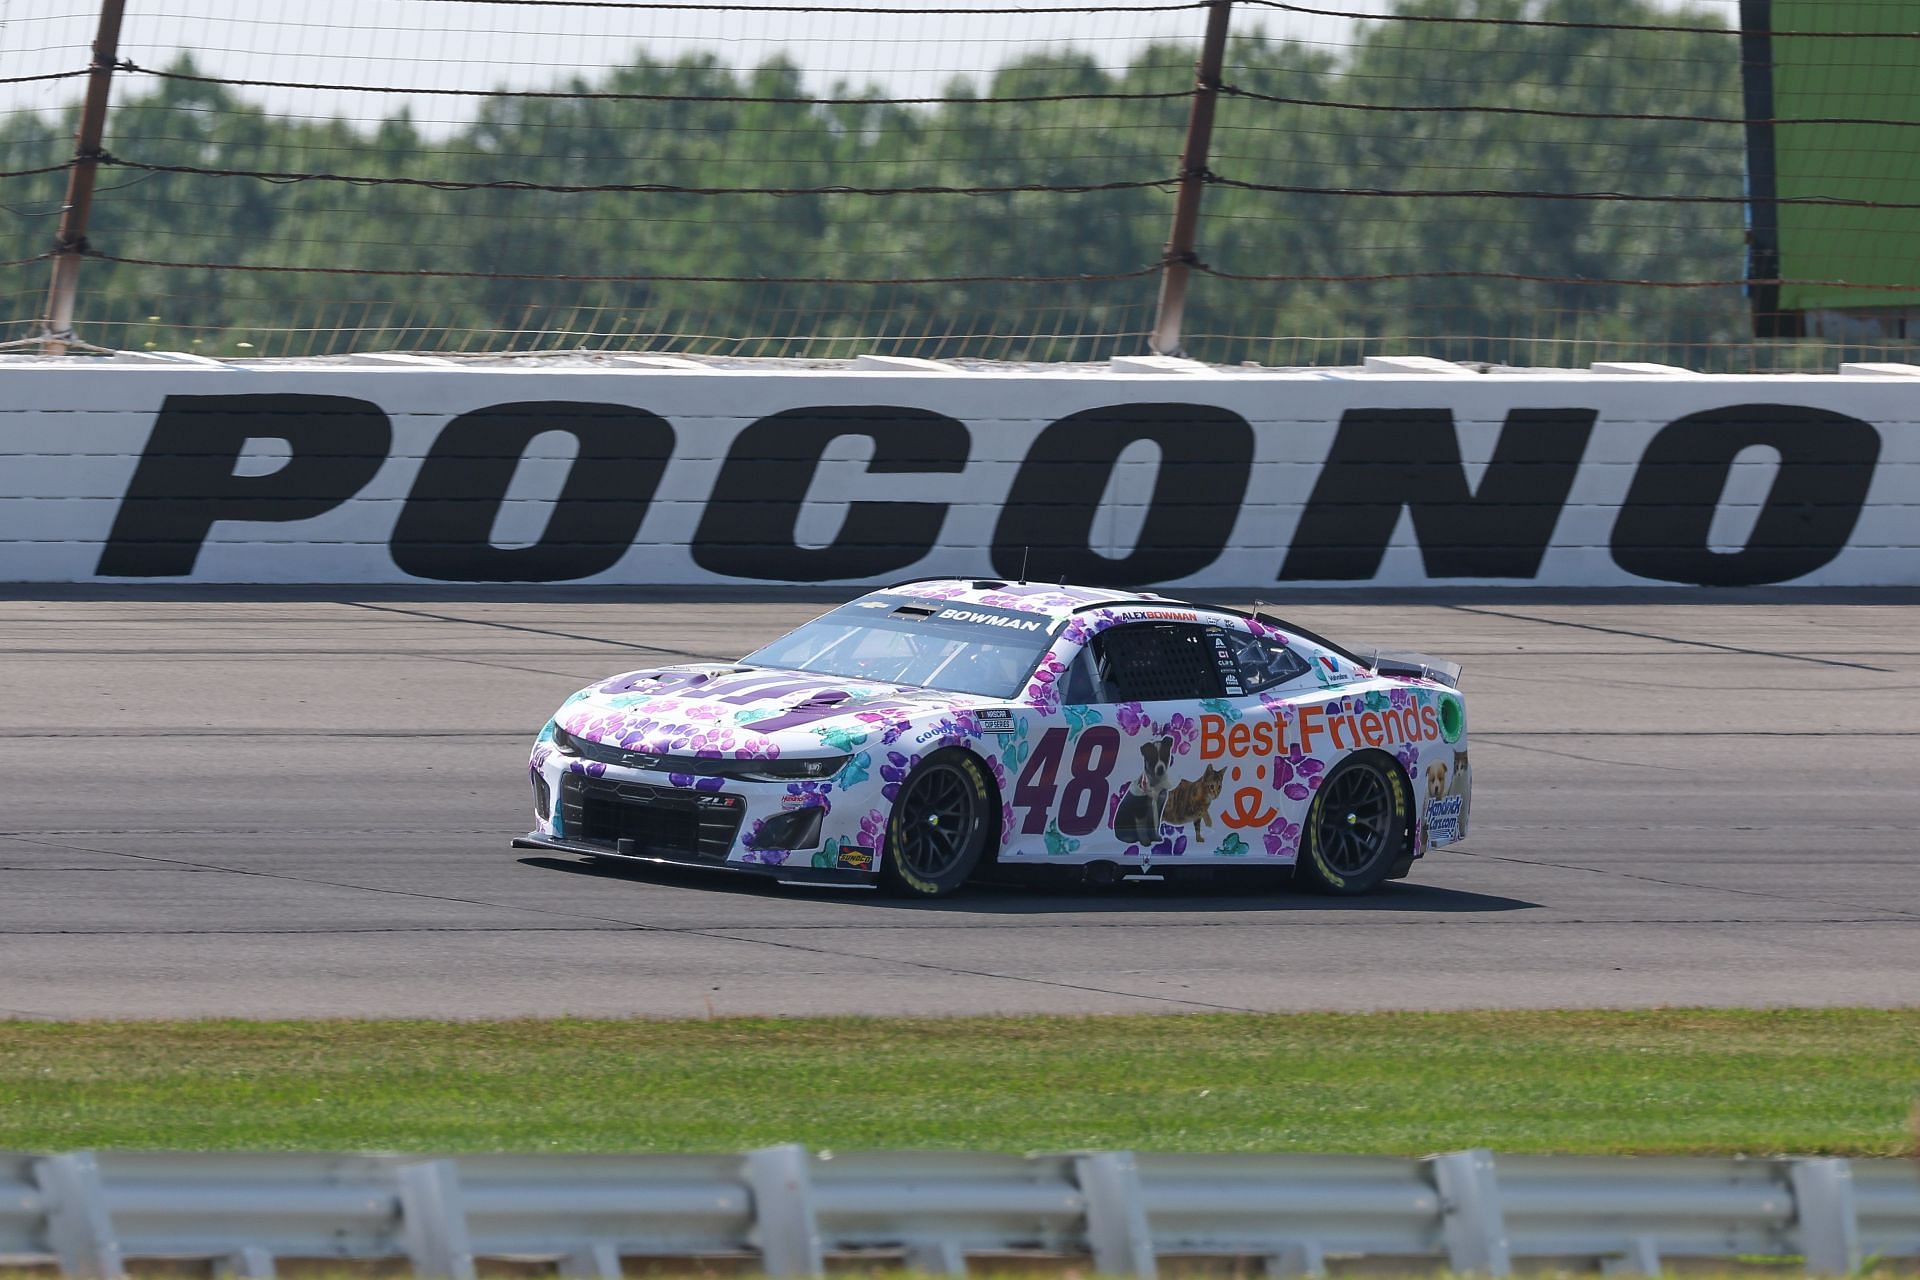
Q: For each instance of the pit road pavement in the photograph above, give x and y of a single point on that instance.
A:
(301, 808)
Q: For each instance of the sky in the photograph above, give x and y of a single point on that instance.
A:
(477, 45)
(468, 44)
(442, 44)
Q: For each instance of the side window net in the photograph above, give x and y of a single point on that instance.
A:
(1156, 663)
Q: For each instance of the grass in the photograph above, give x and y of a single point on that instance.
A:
(1838, 1082)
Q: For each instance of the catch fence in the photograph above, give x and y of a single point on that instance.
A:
(1518, 182)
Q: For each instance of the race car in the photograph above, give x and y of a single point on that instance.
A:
(922, 734)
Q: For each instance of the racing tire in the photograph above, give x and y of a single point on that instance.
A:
(943, 820)
(1358, 829)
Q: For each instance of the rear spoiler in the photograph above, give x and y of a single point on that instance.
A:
(1399, 662)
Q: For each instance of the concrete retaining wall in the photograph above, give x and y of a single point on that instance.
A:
(359, 474)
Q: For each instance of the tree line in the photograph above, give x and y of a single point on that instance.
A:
(1402, 107)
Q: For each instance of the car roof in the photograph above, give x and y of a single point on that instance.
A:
(1046, 599)
(1056, 601)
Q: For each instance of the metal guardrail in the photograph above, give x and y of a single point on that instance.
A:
(795, 1212)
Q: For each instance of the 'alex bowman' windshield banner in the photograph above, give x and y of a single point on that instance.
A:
(352, 475)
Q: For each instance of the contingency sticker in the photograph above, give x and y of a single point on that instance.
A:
(994, 720)
(1443, 820)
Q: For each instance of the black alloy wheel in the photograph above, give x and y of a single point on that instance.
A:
(1357, 828)
(941, 822)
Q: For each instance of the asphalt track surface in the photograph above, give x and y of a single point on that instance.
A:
(301, 808)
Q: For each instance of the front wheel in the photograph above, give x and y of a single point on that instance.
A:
(1358, 827)
(941, 822)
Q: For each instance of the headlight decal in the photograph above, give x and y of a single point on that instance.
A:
(759, 769)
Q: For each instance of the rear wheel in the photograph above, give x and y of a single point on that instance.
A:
(1359, 826)
(941, 823)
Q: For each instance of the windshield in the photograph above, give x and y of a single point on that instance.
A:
(930, 643)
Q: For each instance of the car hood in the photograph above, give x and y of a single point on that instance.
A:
(748, 712)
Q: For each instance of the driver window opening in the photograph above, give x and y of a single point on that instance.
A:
(1155, 662)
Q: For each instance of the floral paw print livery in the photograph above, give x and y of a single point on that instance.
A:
(920, 732)
(1043, 694)
(1298, 775)
(1282, 839)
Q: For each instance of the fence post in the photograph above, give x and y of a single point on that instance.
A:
(1642, 1258)
(936, 1258)
(1118, 1235)
(433, 1220)
(78, 1226)
(249, 1262)
(1177, 266)
(1763, 185)
(1303, 1259)
(1825, 1216)
(594, 1260)
(70, 242)
(784, 1224)
(1471, 1220)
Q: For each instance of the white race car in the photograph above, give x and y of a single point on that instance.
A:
(919, 734)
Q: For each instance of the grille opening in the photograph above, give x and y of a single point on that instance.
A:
(646, 821)
(647, 829)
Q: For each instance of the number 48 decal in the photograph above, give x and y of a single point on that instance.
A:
(1083, 801)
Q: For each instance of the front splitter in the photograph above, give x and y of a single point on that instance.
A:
(765, 870)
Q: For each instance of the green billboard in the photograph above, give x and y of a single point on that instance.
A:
(1833, 138)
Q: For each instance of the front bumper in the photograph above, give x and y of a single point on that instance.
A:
(799, 874)
(765, 829)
